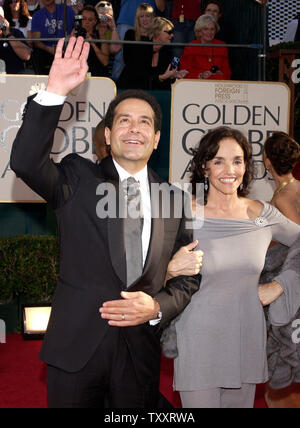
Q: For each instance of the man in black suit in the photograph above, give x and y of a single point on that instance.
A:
(101, 348)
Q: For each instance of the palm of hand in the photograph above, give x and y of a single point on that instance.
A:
(69, 71)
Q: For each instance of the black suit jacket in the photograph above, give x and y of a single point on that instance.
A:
(92, 253)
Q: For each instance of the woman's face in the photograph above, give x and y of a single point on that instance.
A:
(88, 21)
(145, 20)
(226, 170)
(207, 34)
(166, 35)
(15, 5)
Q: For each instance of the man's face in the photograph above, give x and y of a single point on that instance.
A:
(132, 138)
(214, 10)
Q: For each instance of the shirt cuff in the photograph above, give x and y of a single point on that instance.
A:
(154, 322)
(46, 98)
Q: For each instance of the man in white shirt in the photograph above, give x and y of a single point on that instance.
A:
(102, 345)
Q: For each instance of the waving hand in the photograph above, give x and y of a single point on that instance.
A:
(68, 71)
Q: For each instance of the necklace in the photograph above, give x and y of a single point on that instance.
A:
(283, 185)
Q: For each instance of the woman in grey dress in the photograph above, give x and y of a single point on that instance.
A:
(221, 335)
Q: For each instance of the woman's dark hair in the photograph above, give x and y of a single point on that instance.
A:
(282, 151)
(137, 94)
(24, 14)
(90, 8)
(208, 148)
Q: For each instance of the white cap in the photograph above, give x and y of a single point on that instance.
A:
(1, 12)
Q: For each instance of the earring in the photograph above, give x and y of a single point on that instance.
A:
(205, 184)
(241, 187)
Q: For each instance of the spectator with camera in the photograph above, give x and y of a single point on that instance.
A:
(206, 62)
(155, 71)
(18, 16)
(49, 23)
(125, 21)
(107, 28)
(99, 53)
(13, 53)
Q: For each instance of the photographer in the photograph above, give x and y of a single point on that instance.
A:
(13, 53)
(99, 53)
(206, 62)
(107, 27)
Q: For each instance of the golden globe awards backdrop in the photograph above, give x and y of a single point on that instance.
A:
(83, 110)
(257, 109)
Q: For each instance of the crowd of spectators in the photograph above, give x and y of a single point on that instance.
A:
(146, 66)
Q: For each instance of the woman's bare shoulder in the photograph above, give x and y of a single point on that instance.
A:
(254, 207)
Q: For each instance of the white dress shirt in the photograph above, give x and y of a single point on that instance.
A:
(142, 178)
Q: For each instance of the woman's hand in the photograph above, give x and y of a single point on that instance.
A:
(205, 75)
(168, 74)
(185, 261)
(181, 74)
(270, 292)
(4, 22)
(110, 21)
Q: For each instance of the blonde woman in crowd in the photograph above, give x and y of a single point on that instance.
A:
(135, 56)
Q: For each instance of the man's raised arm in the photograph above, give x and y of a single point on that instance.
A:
(30, 156)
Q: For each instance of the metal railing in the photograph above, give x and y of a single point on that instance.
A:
(261, 47)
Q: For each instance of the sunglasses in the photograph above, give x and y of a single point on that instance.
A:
(169, 32)
(104, 4)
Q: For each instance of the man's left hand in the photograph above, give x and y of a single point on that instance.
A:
(134, 309)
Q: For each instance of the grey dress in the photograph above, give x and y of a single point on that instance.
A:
(221, 335)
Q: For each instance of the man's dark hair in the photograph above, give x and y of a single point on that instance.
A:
(139, 95)
(217, 3)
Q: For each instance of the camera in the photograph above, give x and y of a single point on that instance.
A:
(2, 27)
(79, 30)
(102, 18)
(214, 69)
(175, 62)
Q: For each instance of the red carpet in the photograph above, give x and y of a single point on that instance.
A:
(23, 377)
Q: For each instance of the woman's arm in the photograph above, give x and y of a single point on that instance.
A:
(114, 47)
(287, 233)
(101, 53)
(20, 49)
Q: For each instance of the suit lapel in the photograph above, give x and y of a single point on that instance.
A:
(115, 226)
